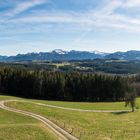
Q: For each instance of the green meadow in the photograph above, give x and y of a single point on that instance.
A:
(87, 106)
(14, 126)
(89, 125)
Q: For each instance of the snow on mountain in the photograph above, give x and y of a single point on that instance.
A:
(59, 51)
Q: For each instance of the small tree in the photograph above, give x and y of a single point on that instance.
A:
(130, 97)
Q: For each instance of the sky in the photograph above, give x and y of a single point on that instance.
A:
(86, 25)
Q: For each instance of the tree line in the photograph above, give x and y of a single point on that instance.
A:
(63, 86)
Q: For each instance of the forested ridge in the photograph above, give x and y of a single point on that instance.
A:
(63, 86)
(110, 66)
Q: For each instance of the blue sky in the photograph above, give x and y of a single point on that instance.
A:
(44, 25)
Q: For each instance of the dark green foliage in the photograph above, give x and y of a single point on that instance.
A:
(114, 66)
(131, 96)
(62, 86)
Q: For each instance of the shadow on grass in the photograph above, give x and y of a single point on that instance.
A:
(121, 113)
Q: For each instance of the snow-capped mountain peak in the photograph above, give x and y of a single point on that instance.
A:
(59, 51)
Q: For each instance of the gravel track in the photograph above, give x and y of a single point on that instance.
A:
(62, 134)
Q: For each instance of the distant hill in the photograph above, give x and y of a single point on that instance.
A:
(57, 55)
(129, 55)
(72, 55)
(3, 58)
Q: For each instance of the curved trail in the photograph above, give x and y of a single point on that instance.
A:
(82, 110)
(71, 109)
(62, 134)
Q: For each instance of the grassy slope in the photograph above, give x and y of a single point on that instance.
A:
(88, 106)
(78, 105)
(14, 126)
(4, 97)
(92, 125)
(99, 126)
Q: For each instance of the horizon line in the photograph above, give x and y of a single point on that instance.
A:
(37, 52)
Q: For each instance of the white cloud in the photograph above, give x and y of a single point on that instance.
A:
(131, 3)
(106, 16)
(110, 7)
(23, 6)
(86, 20)
(101, 17)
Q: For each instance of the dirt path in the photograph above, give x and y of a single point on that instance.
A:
(72, 109)
(82, 110)
(62, 134)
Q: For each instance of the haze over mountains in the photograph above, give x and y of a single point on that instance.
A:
(59, 54)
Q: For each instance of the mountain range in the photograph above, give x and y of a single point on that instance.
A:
(59, 54)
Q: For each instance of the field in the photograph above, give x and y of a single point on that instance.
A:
(87, 106)
(14, 126)
(85, 125)
(18, 127)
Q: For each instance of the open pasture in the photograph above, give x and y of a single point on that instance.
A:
(88, 125)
